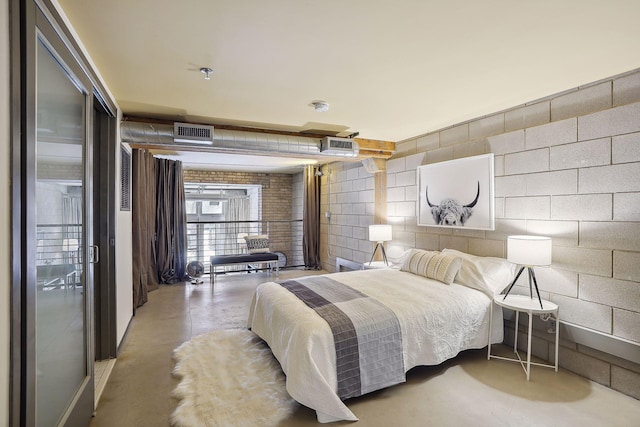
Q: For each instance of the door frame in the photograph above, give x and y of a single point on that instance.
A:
(104, 200)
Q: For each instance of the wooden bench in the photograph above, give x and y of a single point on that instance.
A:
(270, 258)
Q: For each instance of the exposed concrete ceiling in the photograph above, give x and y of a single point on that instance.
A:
(389, 70)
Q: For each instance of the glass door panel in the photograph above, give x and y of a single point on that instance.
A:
(61, 340)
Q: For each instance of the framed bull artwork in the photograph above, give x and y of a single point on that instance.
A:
(457, 193)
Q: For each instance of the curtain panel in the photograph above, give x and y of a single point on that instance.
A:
(311, 219)
(171, 222)
(159, 221)
(143, 210)
(235, 209)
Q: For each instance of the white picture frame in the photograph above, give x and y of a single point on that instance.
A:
(457, 193)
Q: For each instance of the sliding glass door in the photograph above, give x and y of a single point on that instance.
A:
(52, 217)
(62, 341)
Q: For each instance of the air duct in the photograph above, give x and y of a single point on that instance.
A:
(234, 141)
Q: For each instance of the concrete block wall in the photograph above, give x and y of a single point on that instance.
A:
(276, 203)
(567, 166)
(347, 192)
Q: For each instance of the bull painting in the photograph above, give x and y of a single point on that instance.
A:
(450, 211)
(456, 193)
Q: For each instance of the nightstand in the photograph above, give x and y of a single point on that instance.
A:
(374, 265)
(525, 304)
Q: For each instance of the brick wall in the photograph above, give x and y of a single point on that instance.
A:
(276, 188)
(59, 172)
(567, 166)
(277, 203)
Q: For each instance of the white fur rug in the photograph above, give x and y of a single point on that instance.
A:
(229, 377)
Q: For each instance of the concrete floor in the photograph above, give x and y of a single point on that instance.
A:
(468, 390)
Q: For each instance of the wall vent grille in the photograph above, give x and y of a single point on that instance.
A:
(125, 179)
(185, 132)
(339, 146)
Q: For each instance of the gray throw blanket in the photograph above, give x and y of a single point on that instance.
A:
(366, 333)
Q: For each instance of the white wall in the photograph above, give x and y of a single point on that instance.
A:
(124, 257)
(5, 250)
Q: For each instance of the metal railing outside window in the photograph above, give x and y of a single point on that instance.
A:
(58, 255)
(208, 238)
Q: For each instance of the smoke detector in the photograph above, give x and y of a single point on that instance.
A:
(320, 106)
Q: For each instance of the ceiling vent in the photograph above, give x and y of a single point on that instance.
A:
(193, 134)
(339, 147)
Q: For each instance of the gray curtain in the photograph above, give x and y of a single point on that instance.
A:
(171, 222)
(311, 219)
(72, 210)
(235, 209)
(143, 212)
(159, 219)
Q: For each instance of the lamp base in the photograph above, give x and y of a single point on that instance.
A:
(532, 276)
(384, 254)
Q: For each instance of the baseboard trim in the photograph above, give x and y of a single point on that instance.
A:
(124, 337)
(606, 343)
(343, 264)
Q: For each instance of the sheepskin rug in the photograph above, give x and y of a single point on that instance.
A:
(229, 377)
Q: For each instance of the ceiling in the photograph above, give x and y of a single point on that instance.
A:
(235, 162)
(389, 71)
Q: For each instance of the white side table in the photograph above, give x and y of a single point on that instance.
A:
(374, 265)
(525, 304)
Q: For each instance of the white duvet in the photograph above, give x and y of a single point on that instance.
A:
(437, 321)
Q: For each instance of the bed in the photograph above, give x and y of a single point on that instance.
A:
(436, 319)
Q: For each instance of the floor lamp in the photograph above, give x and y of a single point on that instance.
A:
(379, 233)
(528, 251)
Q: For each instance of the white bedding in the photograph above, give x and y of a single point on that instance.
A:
(437, 321)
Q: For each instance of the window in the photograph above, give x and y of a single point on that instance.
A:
(217, 216)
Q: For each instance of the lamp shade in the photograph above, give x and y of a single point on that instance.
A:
(70, 245)
(380, 233)
(529, 250)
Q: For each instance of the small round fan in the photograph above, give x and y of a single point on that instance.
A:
(195, 270)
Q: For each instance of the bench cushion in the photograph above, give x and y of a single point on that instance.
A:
(243, 258)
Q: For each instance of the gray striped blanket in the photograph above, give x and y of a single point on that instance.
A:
(366, 333)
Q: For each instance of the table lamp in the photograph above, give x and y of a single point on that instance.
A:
(240, 240)
(379, 233)
(528, 251)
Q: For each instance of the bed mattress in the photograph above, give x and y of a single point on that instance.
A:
(437, 322)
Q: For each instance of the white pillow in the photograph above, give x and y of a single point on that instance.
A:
(432, 265)
(257, 244)
(487, 274)
(396, 261)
